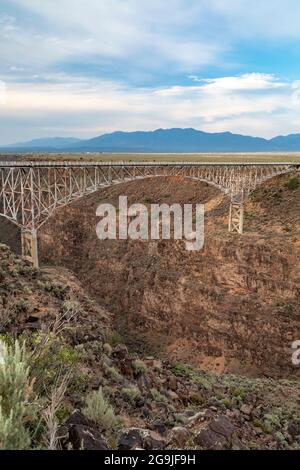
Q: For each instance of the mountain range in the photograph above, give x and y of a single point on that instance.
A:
(161, 141)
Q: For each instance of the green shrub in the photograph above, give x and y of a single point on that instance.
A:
(114, 339)
(148, 200)
(157, 396)
(139, 366)
(239, 392)
(250, 215)
(70, 355)
(293, 183)
(15, 272)
(181, 370)
(57, 289)
(27, 290)
(3, 247)
(131, 394)
(15, 391)
(257, 423)
(98, 410)
(113, 373)
(20, 306)
(272, 421)
(71, 308)
(24, 270)
(204, 382)
(280, 438)
(53, 357)
(198, 399)
(63, 413)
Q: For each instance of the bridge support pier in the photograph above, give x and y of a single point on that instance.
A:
(30, 247)
(236, 217)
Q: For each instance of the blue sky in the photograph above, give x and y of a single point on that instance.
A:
(83, 68)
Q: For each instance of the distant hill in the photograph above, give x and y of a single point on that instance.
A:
(173, 140)
(290, 142)
(163, 141)
(51, 142)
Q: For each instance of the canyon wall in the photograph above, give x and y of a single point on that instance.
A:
(233, 306)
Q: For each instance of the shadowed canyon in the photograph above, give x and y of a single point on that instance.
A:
(233, 306)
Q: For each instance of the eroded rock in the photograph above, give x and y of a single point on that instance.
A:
(83, 435)
(135, 438)
(180, 436)
(217, 435)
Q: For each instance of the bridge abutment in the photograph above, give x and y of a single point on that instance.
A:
(30, 247)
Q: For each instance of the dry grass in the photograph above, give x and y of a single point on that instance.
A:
(166, 157)
(51, 438)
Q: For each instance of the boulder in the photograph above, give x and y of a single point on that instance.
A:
(217, 435)
(294, 428)
(160, 427)
(154, 363)
(172, 395)
(83, 435)
(154, 441)
(136, 438)
(209, 440)
(86, 438)
(77, 418)
(198, 417)
(130, 440)
(107, 349)
(120, 351)
(246, 410)
(173, 383)
(223, 426)
(179, 436)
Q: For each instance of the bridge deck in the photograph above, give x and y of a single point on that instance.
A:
(69, 164)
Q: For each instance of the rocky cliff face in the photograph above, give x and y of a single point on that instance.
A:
(153, 404)
(233, 306)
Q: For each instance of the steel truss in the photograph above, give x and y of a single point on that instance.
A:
(31, 192)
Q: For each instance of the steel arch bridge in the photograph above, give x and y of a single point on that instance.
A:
(30, 192)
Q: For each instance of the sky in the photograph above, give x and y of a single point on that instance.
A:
(84, 68)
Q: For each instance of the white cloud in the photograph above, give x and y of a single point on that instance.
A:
(7, 23)
(178, 34)
(249, 81)
(88, 107)
(151, 33)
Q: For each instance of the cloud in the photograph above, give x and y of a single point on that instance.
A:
(249, 81)
(223, 85)
(96, 66)
(216, 101)
(178, 35)
(150, 33)
(90, 107)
